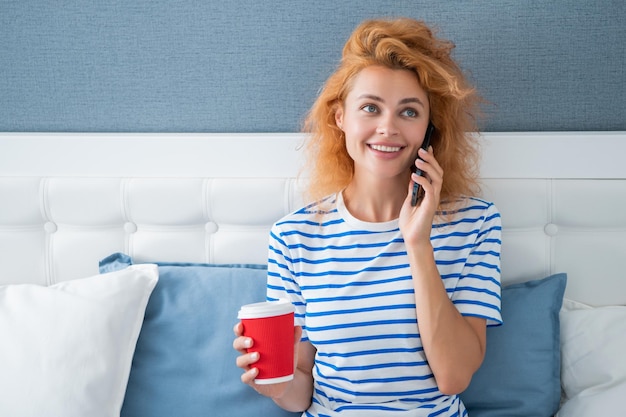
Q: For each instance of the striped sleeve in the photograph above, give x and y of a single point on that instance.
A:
(281, 282)
(478, 288)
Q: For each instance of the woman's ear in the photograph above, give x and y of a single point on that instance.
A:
(339, 117)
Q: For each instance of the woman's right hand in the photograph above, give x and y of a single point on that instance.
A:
(247, 360)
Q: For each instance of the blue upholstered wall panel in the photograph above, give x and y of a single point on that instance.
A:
(255, 66)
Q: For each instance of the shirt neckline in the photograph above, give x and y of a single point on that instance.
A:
(361, 224)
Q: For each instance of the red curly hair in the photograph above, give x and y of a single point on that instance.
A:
(398, 44)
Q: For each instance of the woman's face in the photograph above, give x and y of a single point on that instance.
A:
(384, 118)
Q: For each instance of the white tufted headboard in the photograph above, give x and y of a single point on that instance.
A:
(69, 200)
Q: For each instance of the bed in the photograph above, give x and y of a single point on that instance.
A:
(90, 325)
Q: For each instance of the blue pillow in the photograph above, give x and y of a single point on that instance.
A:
(520, 375)
(184, 362)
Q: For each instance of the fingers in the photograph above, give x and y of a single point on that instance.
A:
(238, 329)
(430, 182)
(297, 335)
(249, 376)
(432, 171)
(429, 157)
(246, 361)
(241, 343)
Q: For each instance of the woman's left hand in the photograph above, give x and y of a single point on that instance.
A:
(416, 222)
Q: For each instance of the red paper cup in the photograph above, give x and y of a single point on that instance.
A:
(270, 325)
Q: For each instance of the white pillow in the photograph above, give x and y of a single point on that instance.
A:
(66, 349)
(593, 361)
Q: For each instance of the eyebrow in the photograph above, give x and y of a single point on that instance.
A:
(403, 101)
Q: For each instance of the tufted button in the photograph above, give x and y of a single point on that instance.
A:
(551, 229)
(50, 227)
(211, 227)
(130, 227)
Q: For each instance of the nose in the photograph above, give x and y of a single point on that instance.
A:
(387, 126)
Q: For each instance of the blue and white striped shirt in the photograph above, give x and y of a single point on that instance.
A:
(351, 285)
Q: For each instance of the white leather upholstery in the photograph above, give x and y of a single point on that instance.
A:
(576, 226)
(57, 227)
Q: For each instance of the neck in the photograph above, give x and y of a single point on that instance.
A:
(379, 202)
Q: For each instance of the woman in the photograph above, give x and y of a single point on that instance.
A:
(392, 299)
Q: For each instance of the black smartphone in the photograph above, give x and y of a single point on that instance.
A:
(425, 144)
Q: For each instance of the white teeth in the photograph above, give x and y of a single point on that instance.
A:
(385, 148)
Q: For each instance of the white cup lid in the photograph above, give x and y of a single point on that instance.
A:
(265, 309)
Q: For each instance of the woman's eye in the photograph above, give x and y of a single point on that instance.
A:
(409, 113)
(369, 108)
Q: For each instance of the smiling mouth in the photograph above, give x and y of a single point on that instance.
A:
(383, 148)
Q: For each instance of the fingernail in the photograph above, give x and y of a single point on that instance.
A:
(247, 343)
(254, 355)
